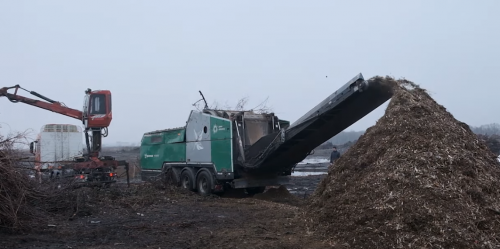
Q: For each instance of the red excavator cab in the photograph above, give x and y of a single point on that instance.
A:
(97, 109)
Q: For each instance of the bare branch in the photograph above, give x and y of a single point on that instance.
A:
(240, 106)
(214, 105)
(227, 106)
(262, 107)
(262, 104)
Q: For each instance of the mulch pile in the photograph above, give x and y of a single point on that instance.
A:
(417, 179)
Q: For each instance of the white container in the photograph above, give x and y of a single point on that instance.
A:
(57, 143)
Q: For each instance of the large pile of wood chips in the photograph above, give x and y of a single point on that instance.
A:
(417, 179)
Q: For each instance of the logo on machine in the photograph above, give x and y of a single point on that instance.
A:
(98, 116)
(218, 128)
(146, 155)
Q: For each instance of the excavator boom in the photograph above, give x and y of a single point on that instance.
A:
(96, 114)
(50, 105)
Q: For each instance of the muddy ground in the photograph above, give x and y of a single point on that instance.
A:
(159, 217)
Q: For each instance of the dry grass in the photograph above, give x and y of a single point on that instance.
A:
(417, 179)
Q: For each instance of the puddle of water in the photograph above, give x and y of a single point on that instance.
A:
(314, 160)
(305, 173)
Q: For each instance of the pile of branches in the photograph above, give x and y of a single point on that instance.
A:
(25, 204)
(417, 179)
(241, 106)
(16, 189)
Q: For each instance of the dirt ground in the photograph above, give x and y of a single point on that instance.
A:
(150, 217)
(146, 217)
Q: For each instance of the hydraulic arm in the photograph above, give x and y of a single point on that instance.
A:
(50, 105)
(96, 115)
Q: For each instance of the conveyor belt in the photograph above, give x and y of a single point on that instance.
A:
(280, 152)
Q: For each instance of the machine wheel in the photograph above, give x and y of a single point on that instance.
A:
(204, 183)
(171, 177)
(255, 190)
(187, 179)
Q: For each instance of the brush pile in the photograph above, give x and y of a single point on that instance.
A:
(417, 179)
(16, 189)
(25, 204)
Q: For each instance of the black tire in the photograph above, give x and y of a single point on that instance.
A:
(255, 190)
(204, 183)
(187, 180)
(171, 177)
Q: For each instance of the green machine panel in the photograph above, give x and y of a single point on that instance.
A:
(284, 123)
(162, 146)
(222, 146)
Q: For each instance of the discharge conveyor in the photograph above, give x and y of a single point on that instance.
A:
(278, 153)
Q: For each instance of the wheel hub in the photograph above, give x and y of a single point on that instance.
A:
(185, 182)
(203, 185)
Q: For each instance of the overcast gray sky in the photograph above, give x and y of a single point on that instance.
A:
(155, 55)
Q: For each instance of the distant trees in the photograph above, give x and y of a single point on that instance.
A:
(325, 146)
(488, 129)
(492, 141)
(343, 140)
(490, 134)
(346, 136)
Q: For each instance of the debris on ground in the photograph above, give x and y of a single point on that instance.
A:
(146, 215)
(234, 193)
(279, 194)
(417, 179)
